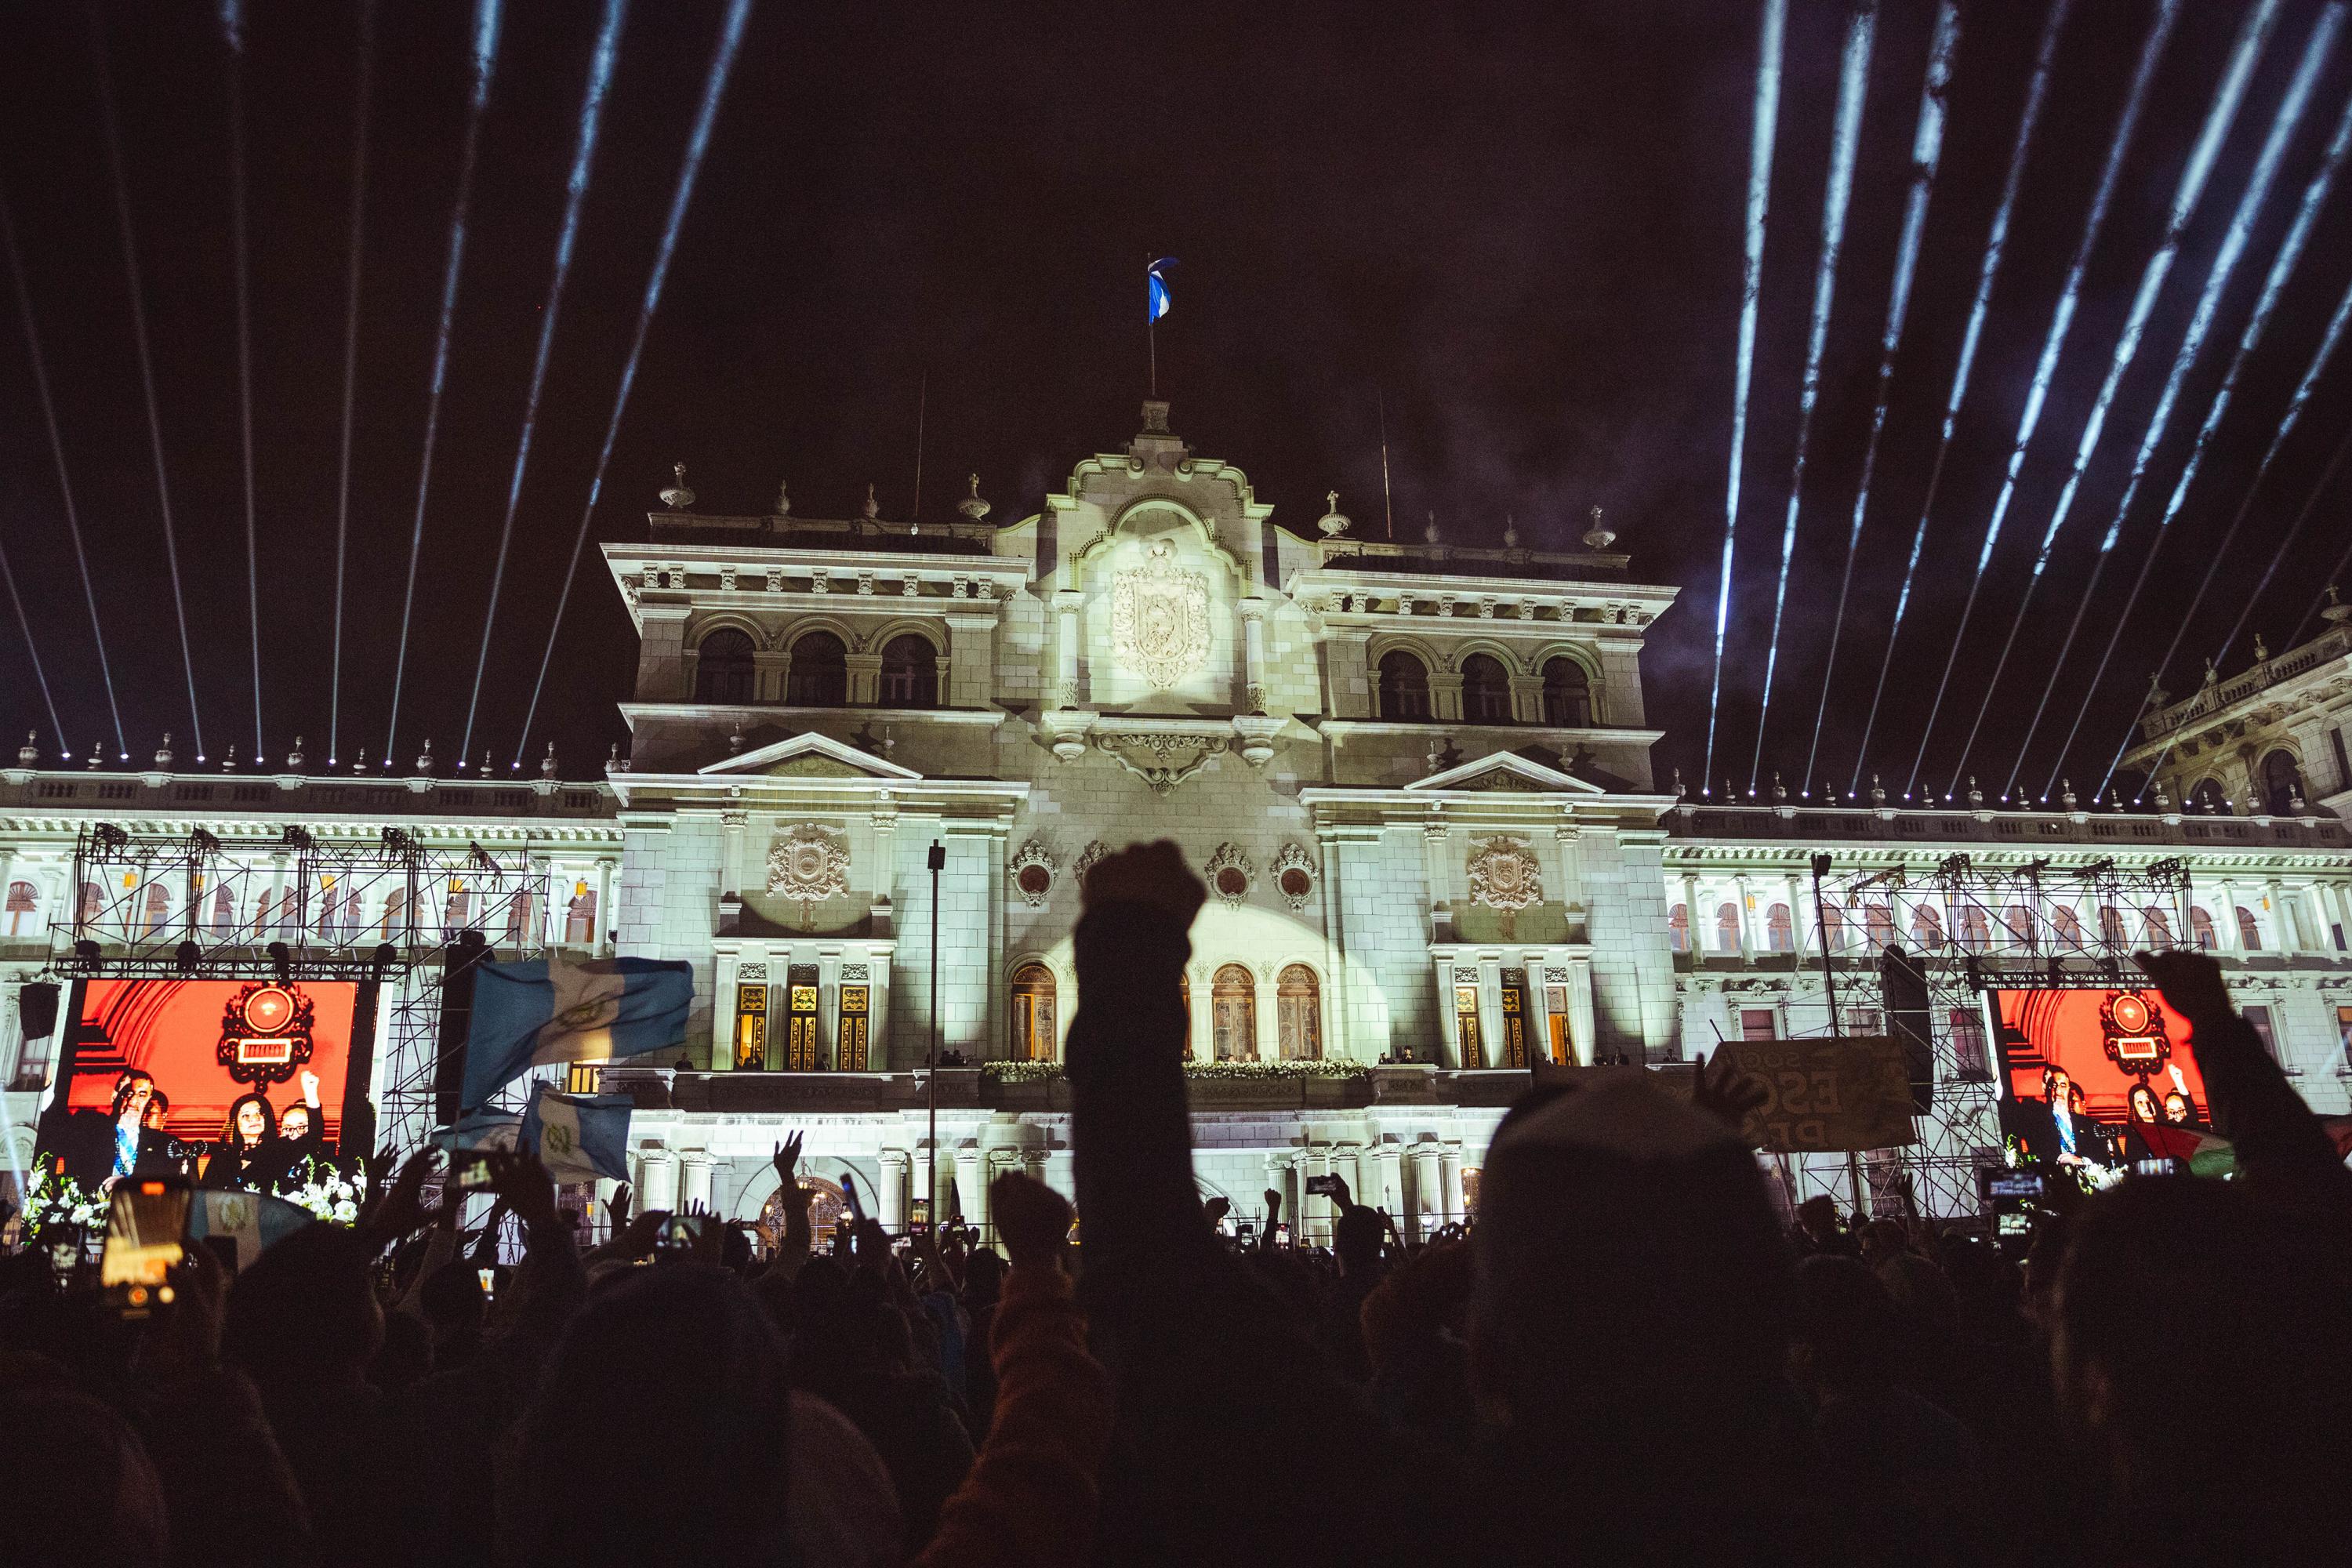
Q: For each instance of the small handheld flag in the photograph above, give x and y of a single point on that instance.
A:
(1156, 286)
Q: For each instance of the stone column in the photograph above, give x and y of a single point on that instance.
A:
(971, 645)
(694, 1186)
(1527, 698)
(2225, 918)
(1335, 1006)
(1351, 694)
(1278, 1179)
(1253, 612)
(656, 1181)
(972, 1186)
(987, 1043)
(1741, 896)
(1800, 928)
(1436, 839)
(1694, 929)
(1032, 1164)
(1428, 1183)
(1066, 604)
(864, 679)
(1449, 1164)
(661, 653)
(1573, 891)
(1388, 1162)
(1445, 696)
(895, 1165)
(1315, 1211)
(2285, 916)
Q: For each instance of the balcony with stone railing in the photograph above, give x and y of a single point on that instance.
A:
(2220, 696)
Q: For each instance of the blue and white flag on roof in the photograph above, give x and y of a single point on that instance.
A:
(562, 1009)
(1156, 279)
(579, 1137)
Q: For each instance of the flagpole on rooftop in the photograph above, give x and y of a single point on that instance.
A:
(1150, 325)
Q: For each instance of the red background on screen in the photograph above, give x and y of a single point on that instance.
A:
(170, 1029)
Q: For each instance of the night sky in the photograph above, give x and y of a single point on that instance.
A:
(1520, 226)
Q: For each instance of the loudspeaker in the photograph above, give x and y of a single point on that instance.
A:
(37, 1007)
(459, 964)
(1903, 986)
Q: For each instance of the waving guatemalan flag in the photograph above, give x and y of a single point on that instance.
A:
(1156, 279)
(579, 1137)
(562, 1009)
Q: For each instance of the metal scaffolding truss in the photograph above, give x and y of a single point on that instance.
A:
(308, 906)
(1974, 927)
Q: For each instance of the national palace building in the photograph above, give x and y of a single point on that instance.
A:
(1416, 778)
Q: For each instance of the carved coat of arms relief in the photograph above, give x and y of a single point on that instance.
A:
(1160, 618)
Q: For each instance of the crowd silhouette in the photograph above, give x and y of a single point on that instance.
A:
(1629, 1358)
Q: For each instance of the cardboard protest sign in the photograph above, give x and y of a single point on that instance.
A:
(1827, 1095)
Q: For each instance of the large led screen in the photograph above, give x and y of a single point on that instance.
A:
(2081, 1070)
(232, 1082)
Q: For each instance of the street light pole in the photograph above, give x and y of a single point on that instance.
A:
(939, 860)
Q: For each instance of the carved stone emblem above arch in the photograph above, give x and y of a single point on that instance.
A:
(1504, 874)
(808, 863)
(1160, 618)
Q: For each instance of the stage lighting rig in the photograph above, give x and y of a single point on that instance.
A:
(110, 839)
(296, 837)
(281, 963)
(85, 954)
(202, 842)
(399, 841)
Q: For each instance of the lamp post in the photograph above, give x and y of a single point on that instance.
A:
(939, 860)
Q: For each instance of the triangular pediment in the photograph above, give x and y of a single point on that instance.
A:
(1506, 773)
(811, 755)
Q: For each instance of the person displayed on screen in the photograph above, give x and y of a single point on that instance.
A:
(2072, 1138)
(302, 1129)
(177, 1155)
(251, 1154)
(2143, 1114)
(2177, 1111)
(2143, 1104)
(96, 1148)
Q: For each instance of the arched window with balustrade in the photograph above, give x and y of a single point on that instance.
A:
(2200, 921)
(1567, 693)
(1298, 1013)
(910, 672)
(1779, 929)
(1404, 685)
(1727, 928)
(1233, 1013)
(820, 672)
(24, 909)
(2210, 798)
(1486, 690)
(1034, 1037)
(723, 670)
(2281, 783)
(1678, 928)
(2249, 930)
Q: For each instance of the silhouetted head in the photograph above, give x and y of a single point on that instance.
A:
(1843, 1335)
(1631, 1276)
(305, 1310)
(684, 1352)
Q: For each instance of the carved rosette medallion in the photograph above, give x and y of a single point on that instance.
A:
(1160, 618)
(1293, 876)
(1504, 876)
(1230, 874)
(808, 864)
(1033, 870)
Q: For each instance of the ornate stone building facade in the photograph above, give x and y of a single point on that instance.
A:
(1416, 779)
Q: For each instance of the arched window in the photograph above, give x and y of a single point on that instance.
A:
(154, 909)
(2067, 926)
(1833, 927)
(1976, 934)
(2282, 785)
(2200, 921)
(1567, 695)
(1486, 690)
(1926, 928)
(2209, 798)
(1879, 919)
(2160, 927)
(224, 912)
(579, 916)
(1780, 932)
(722, 668)
(352, 911)
(2111, 925)
(2020, 922)
(395, 915)
(22, 907)
(1298, 1013)
(2249, 930)
(911, 673)
(820, 672)
(456, 909)
(93, 903)
(1678, 928)
(1233, 1013)
(262, 912)
(519, 914)
(1032, 1013)
(1727, 928)
(1404, 685)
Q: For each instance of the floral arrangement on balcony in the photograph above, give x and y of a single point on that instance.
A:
(1038, 1072)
